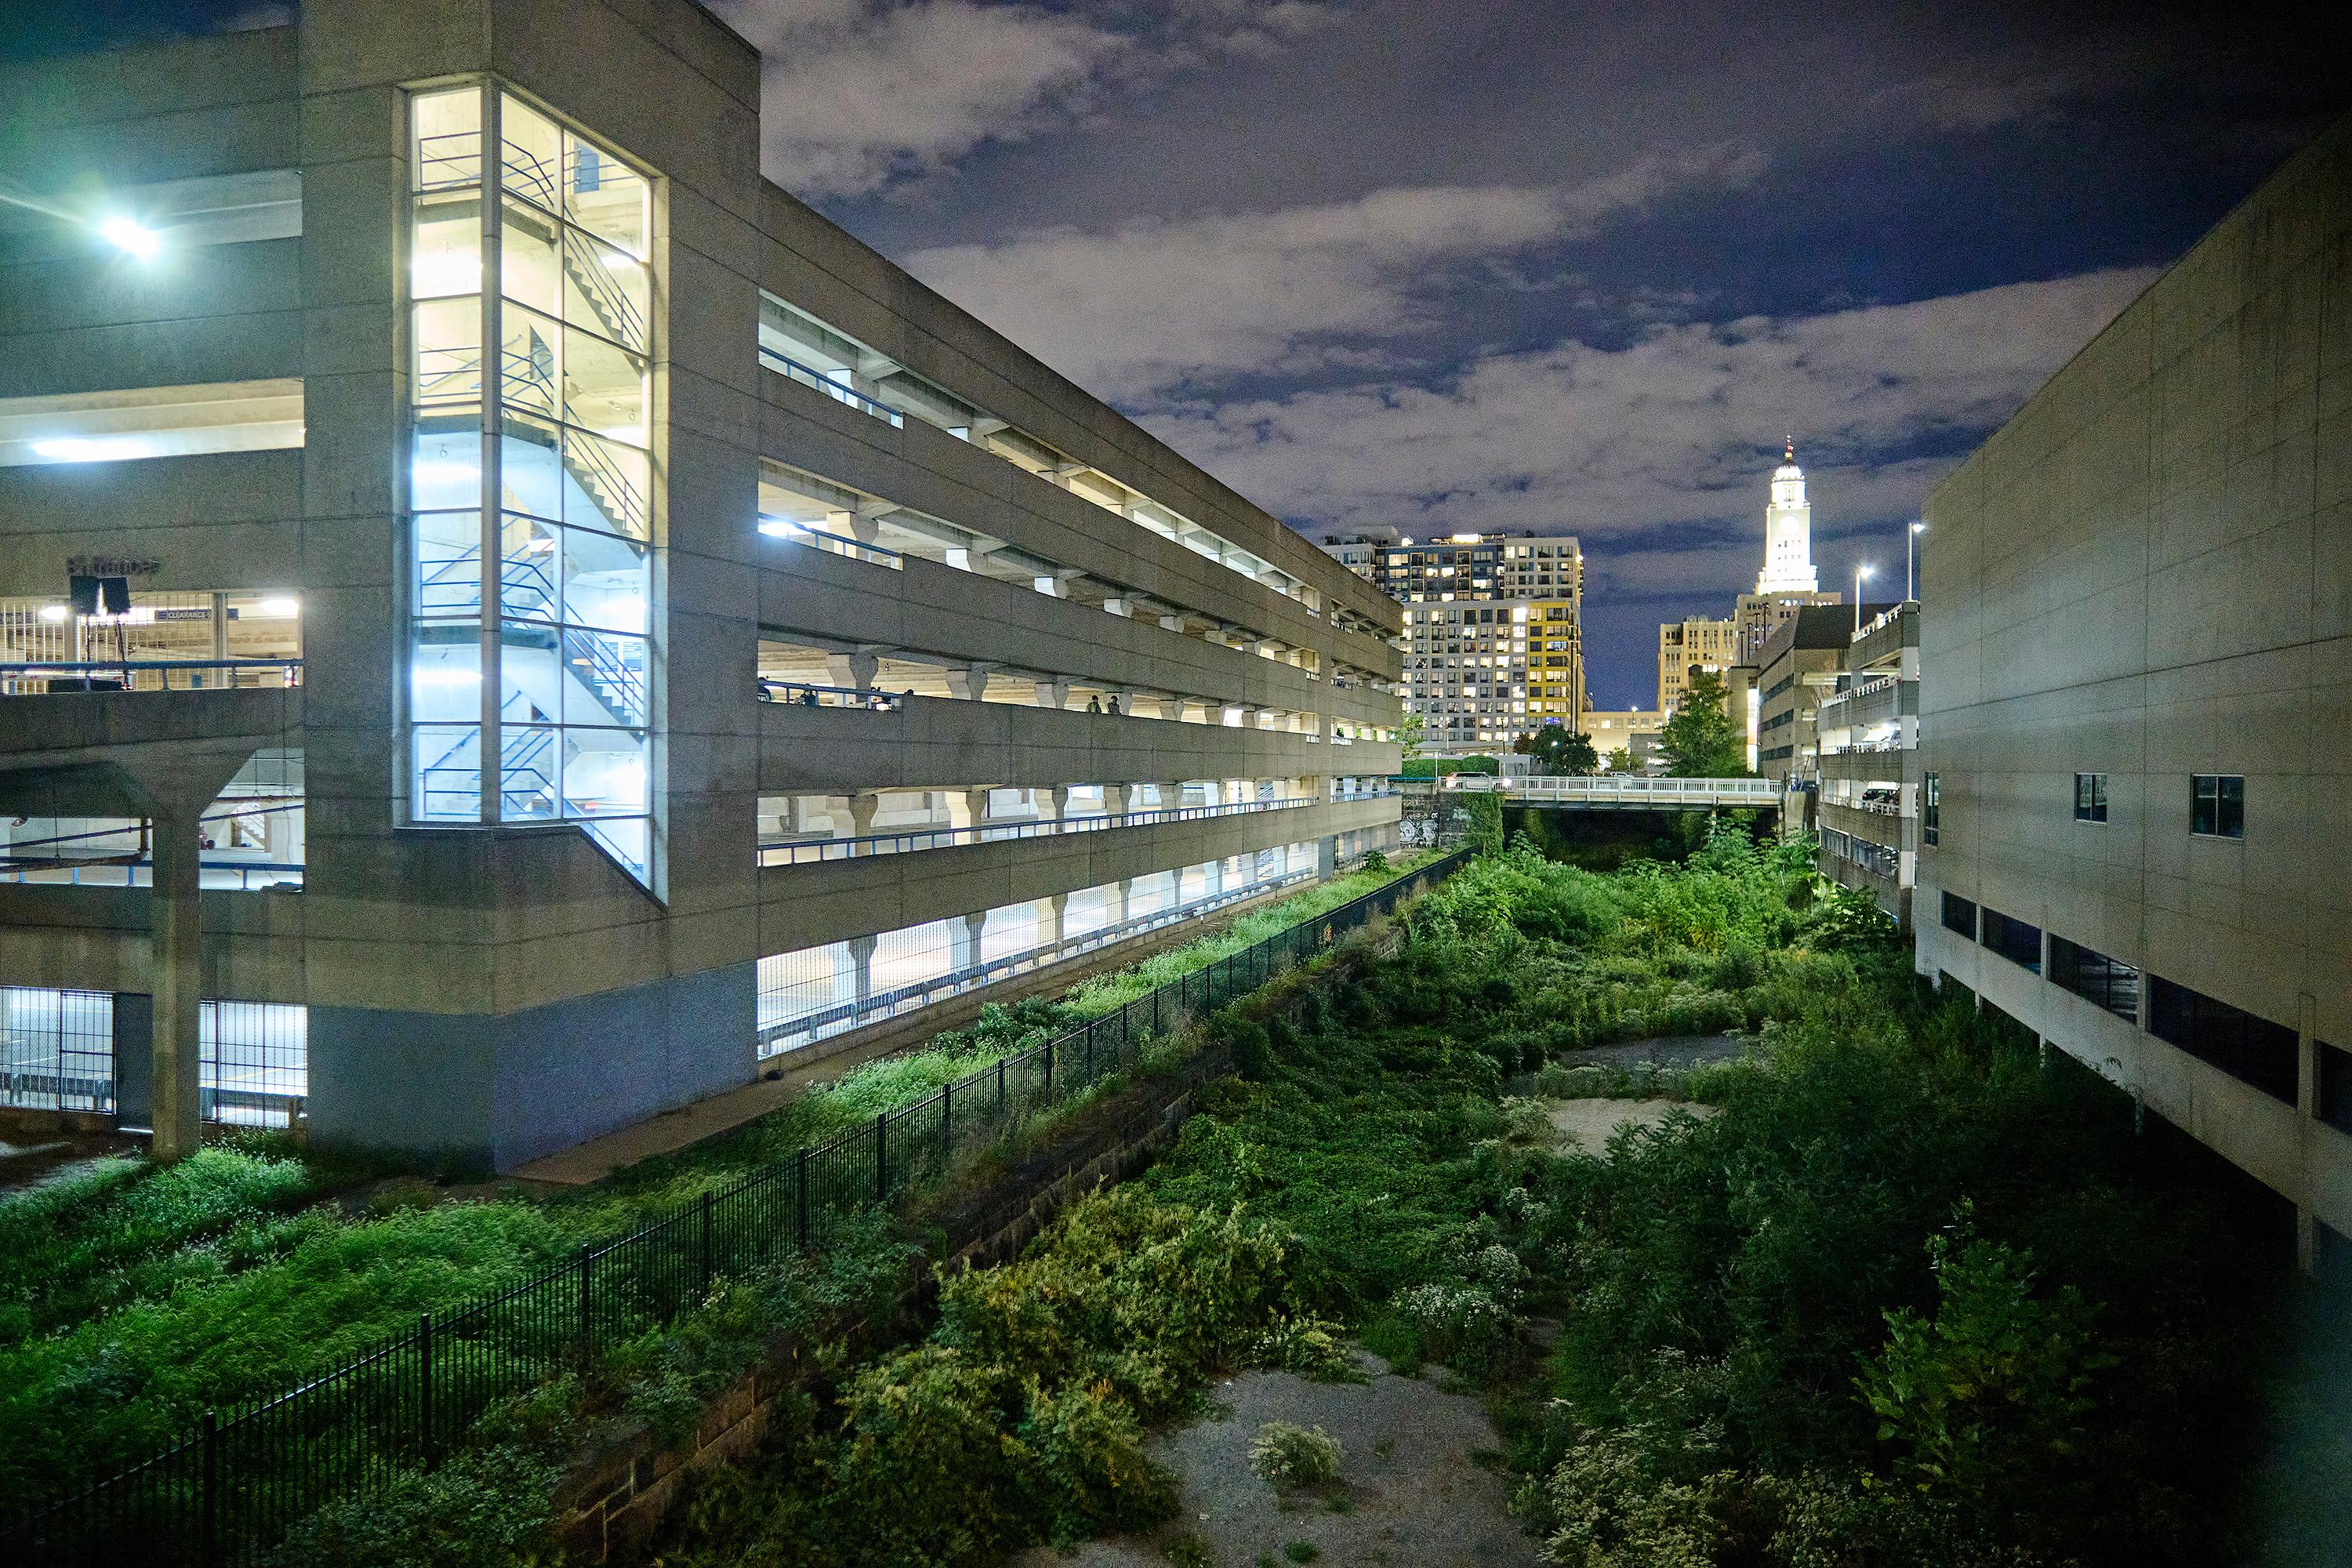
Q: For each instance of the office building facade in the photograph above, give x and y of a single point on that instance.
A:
(635, 629)
(2135, 635)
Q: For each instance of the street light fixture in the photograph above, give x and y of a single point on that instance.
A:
(1860, 571)
(131, 239)
(1909, 540)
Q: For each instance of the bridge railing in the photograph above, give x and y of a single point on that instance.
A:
(1639, 789)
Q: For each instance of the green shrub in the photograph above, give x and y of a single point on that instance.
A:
(1284, 1455)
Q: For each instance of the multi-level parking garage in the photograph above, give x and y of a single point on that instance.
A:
(510, 619)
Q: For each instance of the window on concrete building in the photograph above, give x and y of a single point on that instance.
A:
(2090, 797)
(2012, 938)
(2335, 1086)
(2249, 1048)
(2094, 976)
(1961, 915)
(1931, 808)
(2217, 805)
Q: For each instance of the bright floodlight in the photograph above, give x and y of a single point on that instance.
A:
(54, 612)
(1918, 528)
(131, 239)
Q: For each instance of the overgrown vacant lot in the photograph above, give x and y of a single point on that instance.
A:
(132, 1299)
(1910, 1296)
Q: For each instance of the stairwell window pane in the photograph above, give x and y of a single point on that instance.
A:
(444, 470)
(530, 552)
(529, 756)
(605, 196)
(607, 486)
(444, 672)
(530, 267)
(446, 339)
(534, 686)
(448, 571)
(445, 246)
(603, 387)
(603, 773)
(446, 132)
(604, 582)
(530, 154)
(530, 368)
(447, 782)
(530, 467)
(608, 679)
(607, 289)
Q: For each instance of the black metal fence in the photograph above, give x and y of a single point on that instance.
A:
(228, 1491)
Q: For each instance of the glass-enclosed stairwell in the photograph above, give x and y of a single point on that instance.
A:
(531, 488)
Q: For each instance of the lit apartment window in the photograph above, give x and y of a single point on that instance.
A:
(1931, 808)
(2216, 807)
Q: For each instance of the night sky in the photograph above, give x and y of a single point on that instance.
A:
(1468, 264)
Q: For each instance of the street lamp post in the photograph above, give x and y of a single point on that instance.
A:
(1909, 540)
(1859, 574)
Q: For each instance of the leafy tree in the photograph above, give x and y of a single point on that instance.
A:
(1700, 741)
(1620, 761)
(1409, 734)
(1990, 1394)
(1558, 750)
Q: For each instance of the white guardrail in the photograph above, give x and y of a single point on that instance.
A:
(1637, 790)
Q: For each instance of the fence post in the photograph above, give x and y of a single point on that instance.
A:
(706, 1242)
(801, 1198)
(1049, 1069)
(1089, 1077)
(947, 1118)
(587, 1311)
(208, 1507)
(881, 1156)
(1000, 1088)
(424, 1390)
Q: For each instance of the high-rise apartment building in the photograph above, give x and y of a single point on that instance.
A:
(618, 627)
(2136, 632)
(1690, 647)
(1476, 689)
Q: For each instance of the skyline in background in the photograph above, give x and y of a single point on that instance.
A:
(1501, 265)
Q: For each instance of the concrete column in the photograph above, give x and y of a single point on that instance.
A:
(963, 941)
(861, 966)
(969, 683)
(1122, 608)
(862, 807)
(1172, 623)
(857, 670)
(1115, 901)
(1327, 856)
(967, 808)
(1114, 800)
(1049, 919)
(1056, 802)
(1214, 879)
(178, 978)
(1172, 795)
(1053, 693)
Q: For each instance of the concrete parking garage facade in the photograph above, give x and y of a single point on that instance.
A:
(2136, 652)
(683, 591)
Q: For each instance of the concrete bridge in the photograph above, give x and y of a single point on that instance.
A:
(1627, 792)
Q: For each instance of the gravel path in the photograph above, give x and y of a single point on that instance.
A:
(1588, 1123)
(1412, 1494)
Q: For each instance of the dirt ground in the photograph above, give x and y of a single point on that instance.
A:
(1412, 1491)
(31, 1161)
(1588, 1123)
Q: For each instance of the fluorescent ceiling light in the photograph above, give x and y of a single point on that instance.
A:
(277, 609)
(84, 449)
